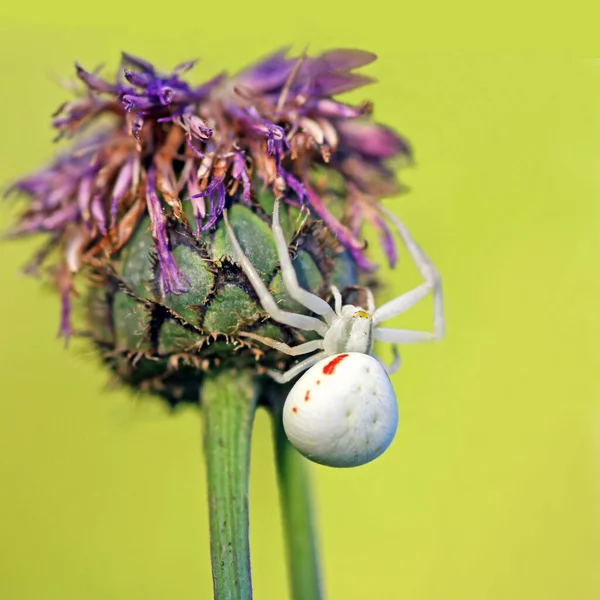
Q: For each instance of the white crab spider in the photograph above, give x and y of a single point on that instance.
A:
(342, 412)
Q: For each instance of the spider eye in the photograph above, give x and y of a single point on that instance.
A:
(362, 314)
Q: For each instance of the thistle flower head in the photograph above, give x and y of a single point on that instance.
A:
(154, 160)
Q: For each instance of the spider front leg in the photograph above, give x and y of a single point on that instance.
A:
(370, 301)
(288, 273)
(298, 350)
(401, 304)
(284, 377)
(266, 300)
(402, 336)
(337, 299)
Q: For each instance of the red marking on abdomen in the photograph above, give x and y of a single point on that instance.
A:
(329, 368)
(307, 396)
(318, 382)
(294, 409)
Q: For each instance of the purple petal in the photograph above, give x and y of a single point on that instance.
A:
(120, 188)
(338, 83)
(84, 196)
(185, 66)
(33, 223)
(387, 242)
(216, 185)
(197, 200)
(138, 79)
(331, 109)
(191, 146)
(93, 81)
(131, 102)
(346, 59)
(269, 73)
(295, 185)
(58, 194)
(97, 207)
(221, 198)
(59, 218)
(199, 209)
(239, 172)
(276, 140)
(170, 277)
(123, 180)
(371, 139)
(172, 95)
(65, 329)
(354, 247)
(195, 127)
(138, 63)
(212, 215)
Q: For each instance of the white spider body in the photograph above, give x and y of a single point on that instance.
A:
(351, 331)
(344, 329)
(342, 412)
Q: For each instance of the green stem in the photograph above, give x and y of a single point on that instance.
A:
(296, 505)
(228, 406)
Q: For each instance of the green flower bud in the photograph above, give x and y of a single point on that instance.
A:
(164, 344)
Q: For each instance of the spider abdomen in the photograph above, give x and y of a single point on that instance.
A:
(342, 412)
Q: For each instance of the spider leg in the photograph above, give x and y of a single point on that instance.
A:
(337, 297)
(285, 348)
(284, 377)
(370, 301)
(394, 366)
(409, 299)
(267, 301)
(290, 280)
(402, 336)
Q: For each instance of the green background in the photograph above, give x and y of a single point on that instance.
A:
(491, 488)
